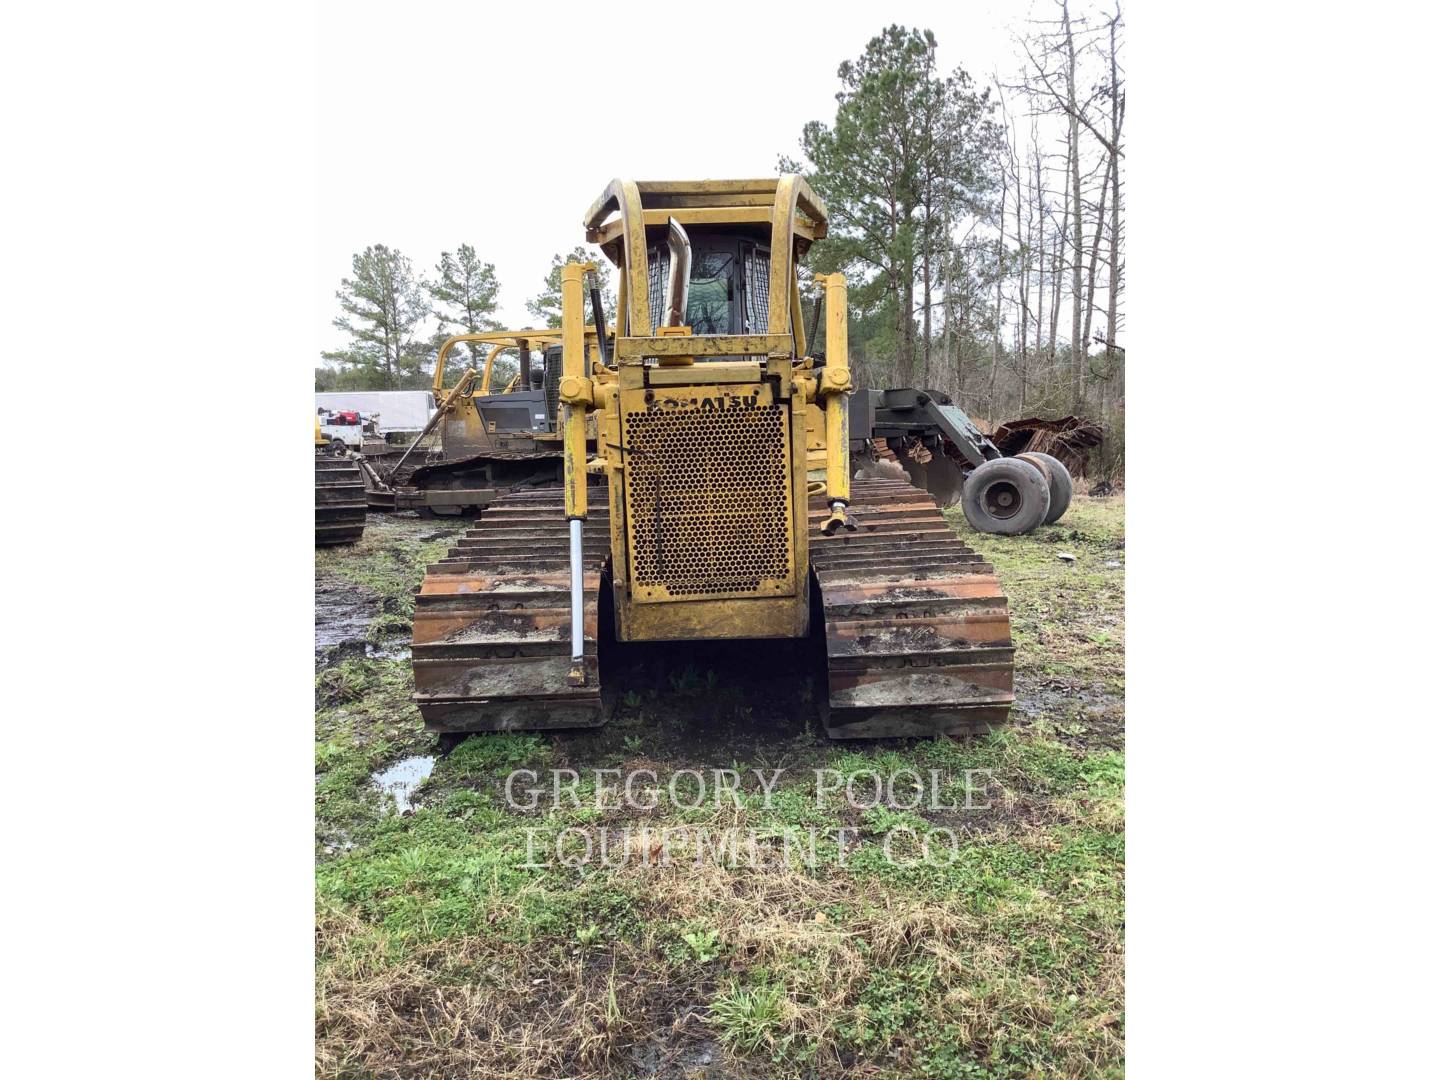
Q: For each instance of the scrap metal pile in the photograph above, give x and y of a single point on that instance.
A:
(1070, 439)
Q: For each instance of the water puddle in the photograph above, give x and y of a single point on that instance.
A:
(397, 648)
(401, 779)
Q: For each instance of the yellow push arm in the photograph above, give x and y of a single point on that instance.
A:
(577, 395)
(576, 392)
(834, 388)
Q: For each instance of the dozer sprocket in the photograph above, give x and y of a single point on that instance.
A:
(491, 647)
(917, 631)
(339, 500)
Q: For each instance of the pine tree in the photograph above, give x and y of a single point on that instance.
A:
(906, 156)
(466, 294)
(383, 303)
(545, 307)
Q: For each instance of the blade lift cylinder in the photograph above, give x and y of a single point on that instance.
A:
(575, 391)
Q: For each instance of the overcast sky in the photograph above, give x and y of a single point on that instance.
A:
(497, 124)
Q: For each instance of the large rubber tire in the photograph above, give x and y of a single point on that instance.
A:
(1006, 496)
(1061, 486)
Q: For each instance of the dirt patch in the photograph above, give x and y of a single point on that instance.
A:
(679, 1059)
(1087, 718)
(732, 701)
(343, 614)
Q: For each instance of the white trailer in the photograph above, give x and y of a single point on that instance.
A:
(394, 410)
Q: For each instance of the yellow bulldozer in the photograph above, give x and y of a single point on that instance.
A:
(718, 505)
(491, 441)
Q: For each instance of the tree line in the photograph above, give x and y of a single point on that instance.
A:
(979, 223)
(971, 218)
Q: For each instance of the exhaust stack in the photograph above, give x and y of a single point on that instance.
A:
(677, 293)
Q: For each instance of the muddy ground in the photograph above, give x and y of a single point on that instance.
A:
(445, 947)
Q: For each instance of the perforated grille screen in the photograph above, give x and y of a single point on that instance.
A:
(708, 502)
(659, 279)
(757, 290)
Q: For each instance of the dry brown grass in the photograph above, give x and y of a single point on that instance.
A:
(466, 1007)
(486, 1007)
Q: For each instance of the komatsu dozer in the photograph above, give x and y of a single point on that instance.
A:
(718, 506)
(491, 441)
(339, 494)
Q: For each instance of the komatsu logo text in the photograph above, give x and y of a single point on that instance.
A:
(723, 403)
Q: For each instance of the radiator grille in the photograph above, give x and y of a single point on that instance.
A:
(708, 502)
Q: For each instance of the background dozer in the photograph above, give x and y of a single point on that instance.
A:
(339, 494)
(490, 442)
(719, 506)
(939, 448)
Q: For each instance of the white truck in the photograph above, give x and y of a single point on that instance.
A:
(348, 427)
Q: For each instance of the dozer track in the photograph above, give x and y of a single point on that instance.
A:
(917, 633)
(471, 482)
(491, 647)
(339, 500)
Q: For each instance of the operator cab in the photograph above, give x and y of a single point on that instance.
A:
(729, 281)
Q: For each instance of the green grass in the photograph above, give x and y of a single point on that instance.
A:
(387, 558)
(750, 1017)
(439, 949)
(1067, 619)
